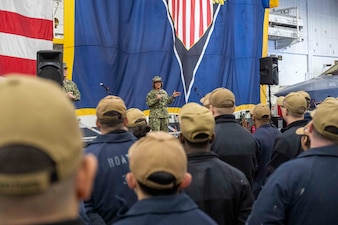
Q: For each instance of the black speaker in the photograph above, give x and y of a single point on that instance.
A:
(268, 70)
(49, 65)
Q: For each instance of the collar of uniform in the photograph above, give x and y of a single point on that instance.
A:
(113, 137)
(331, 150)
(202, 155)
(161, 205)
(298, 123)
(225, 118)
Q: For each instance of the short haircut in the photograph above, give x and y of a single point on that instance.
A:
(161, 178)
(198, 144)
(140, 131)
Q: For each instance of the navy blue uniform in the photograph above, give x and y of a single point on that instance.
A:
(111, 195)
(235, 145)
(265, 136)
(176, 209)
(301, 191)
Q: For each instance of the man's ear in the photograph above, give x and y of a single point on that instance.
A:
(86, 176)
(212, 110)
(212, 138)
(186, 181)
(125, 121)
(131, 181)
(97, 123)
(309, 128)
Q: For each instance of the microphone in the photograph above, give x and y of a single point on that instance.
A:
(106, 88)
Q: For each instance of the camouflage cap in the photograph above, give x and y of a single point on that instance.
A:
(157, 79)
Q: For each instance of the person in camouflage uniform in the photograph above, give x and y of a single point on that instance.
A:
(157, 101)
(69, 86)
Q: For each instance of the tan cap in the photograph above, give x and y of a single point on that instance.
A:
(157, 79)
(261, 111)
(36, 112)
(135, 117)
(305, 95)
(280, 100)
(196, 122)
(295, 103)
(330, 100)
(327, 101)
(108, 104)
(325, 120)
(303, 130)
(205, 100)
(158, 151)
(222, 98)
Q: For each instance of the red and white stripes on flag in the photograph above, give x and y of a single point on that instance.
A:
(191, 19)
(26, 26)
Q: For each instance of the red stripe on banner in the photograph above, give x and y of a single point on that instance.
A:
(173, 12)
(201, 31)
(17, 65)
(177, 15)
(192, 23)
(13, 23)
(208, 14)
(184, 21)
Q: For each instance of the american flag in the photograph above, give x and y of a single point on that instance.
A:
(191, 19)
(26, 26)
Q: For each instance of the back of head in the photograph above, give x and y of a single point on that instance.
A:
(196, 122)
(325, 120)
(111, 110)
(222, 98)
(280, 100)
(40, 139)
(135, 117)
(137, 122)
(261, 112)
(295, 103)
(158, 161)
(307, 97)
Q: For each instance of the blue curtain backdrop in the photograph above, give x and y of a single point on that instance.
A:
(124, 43)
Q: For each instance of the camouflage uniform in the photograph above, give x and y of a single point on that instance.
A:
(159, 116)
(70, 86)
